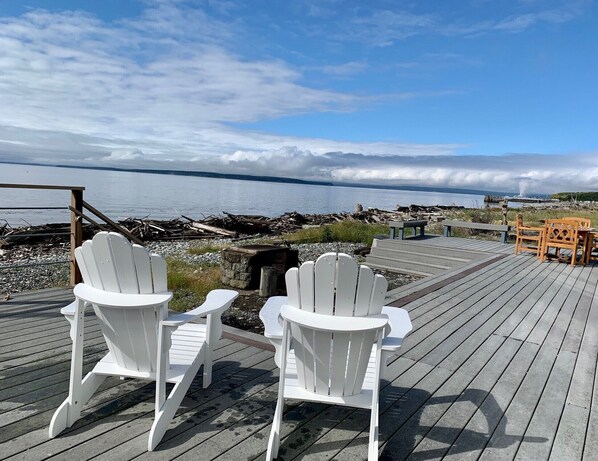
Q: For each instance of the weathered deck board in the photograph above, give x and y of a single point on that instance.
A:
(501, 365)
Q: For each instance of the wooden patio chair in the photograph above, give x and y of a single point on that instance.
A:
(335, 340)
(585, 236)
(126, 286)
(561, 234)
(593, 256)
(528, 238)
(583, 222)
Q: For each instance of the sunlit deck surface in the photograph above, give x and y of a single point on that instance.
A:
(501, 365)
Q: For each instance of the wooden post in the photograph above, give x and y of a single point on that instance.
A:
(268, 281)
(505, 210)
(76, 233)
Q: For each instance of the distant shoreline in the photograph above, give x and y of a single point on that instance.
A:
(275, 179)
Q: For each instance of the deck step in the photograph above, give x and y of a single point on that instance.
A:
(404, 265)
(419, 258)
(412, 254)
(427, 247)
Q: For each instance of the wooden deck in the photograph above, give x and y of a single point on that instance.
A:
(501, 365)
(432, 255)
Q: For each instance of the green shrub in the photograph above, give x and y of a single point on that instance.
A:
(327, 234)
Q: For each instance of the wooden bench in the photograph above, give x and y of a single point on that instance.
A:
(401, 225)
(502, 228)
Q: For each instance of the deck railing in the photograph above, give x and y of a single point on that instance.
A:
(76, 229)
(77, 204)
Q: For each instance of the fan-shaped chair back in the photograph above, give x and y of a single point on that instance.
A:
(333, 362)
(110, 263)
(336, 285)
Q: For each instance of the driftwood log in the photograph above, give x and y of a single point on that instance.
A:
(227, 225)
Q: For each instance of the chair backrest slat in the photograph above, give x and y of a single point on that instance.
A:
(346, 285)
(105, 262)
(322, 350)
(292, 284)
(364, 291)
(82, 264)
(359, 357)
(378, 295)
(304, 353)
(339, 372)
(112, 264)
(87, 263)
(325, 268)
(143, 269)
(307, 284)
(159, 277)
(124, 264)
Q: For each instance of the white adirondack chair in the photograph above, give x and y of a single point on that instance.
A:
(126, 285)
(335, 339)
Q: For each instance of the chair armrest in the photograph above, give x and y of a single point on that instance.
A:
(537, 229)
(217, 301)
(270, 316)
(122, 300)
(400, 325)
(69, 310)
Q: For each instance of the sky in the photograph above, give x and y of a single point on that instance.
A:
(478, 94)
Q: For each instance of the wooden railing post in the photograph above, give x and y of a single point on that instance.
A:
(76, 233)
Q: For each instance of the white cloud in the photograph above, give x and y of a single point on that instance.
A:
(124, 154)
(383, 27)
(347, 68)
(71, 72)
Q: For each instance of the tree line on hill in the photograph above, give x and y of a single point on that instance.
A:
(576, 196)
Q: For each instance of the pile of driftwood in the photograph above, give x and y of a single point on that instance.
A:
(222, 226)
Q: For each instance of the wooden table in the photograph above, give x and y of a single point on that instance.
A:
(587, 234)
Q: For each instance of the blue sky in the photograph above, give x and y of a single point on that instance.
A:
(476, 94)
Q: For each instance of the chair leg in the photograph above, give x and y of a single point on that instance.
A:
(80, 390)
(166, 412)
(543, 251)
(207, 367)
(70, 410)
(274, 441)
(373, 441)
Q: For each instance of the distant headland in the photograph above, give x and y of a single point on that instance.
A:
(277, 179)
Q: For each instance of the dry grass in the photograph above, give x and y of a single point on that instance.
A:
(345, 231)
(206, 248)
(190, 283)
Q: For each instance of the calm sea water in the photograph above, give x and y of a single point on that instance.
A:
(123, 194)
